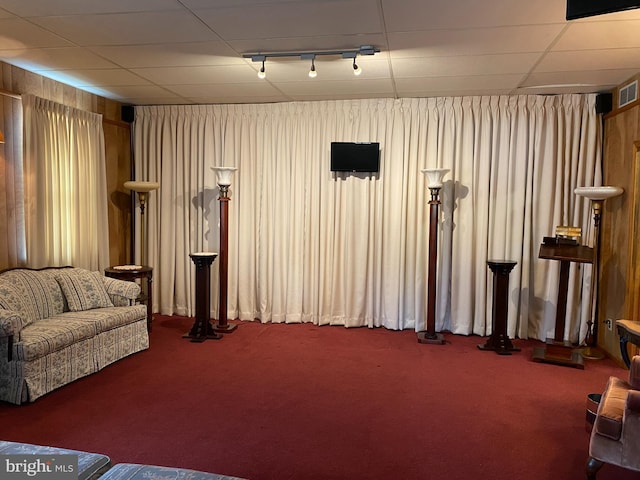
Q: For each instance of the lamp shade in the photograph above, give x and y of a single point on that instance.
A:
(435, 176)
(598, 193)
(224, 175)
(141, 187)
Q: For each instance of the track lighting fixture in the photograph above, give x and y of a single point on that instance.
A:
(362, 50)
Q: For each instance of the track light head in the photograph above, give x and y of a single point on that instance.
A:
(262, 74)
(356, 69)
(312, 71)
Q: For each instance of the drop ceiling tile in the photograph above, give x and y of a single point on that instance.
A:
(54, 58)
(128, 28)
(451, 84)
(599, 35)
(199, 75)
(337, 96)
(409, 15)
(41, 8)
(458, 93)
(18, 34)
(96, 77)
(260, 89)
(464, 65)
(587, 79)
(475, 41)
(171, 55)
(237, 100)
(312, 88)
(295, 19)
(584, 60)
(132, 92)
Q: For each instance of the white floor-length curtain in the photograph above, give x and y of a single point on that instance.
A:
(309, 245)
(65, 186)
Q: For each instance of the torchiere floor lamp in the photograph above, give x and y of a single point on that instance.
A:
(142, 189)
(223, 179)
(597, 195)
(434, 183)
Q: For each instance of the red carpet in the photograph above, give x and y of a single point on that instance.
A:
(305, 402)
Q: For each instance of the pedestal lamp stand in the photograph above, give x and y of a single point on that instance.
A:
(202, 329)
(434, 183)
(499, 340)
(223, 179)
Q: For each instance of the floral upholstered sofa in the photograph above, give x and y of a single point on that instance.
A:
(61, 324)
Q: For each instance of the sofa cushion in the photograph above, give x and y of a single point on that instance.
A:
(611, 410)
(83, 290)
(41, 293)
(104, 319)
(46, 336)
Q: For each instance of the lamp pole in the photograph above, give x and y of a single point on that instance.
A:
(223, 179)
(434, 183)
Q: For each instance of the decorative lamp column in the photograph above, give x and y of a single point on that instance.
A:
(202, 328)
(142, 189)
(597, 195)
(434, 183)
(223, 179)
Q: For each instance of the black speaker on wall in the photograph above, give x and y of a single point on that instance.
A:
(127, 113)
(604, 102)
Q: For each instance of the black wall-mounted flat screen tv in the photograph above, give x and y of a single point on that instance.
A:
(590, 8)
(355, 157)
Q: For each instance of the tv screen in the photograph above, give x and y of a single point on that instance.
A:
(355, 157)
(589, 8)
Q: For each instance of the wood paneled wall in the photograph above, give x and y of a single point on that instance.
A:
(117, 140)
(620, 254)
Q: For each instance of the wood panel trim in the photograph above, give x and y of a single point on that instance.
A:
(633, 286)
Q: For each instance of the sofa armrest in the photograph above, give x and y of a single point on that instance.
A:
(633, 402)
(634, 373)
(11, 324)
(121, 292)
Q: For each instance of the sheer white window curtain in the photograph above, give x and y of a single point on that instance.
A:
(65, 186)
(307, 245)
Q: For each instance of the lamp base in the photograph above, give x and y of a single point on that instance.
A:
(591, 353)
(227, 328)
(202, 338)
(431, 338)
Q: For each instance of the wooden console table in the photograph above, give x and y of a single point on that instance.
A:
(131, 275)
(556, 350)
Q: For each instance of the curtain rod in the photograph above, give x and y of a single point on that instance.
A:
(7, 93)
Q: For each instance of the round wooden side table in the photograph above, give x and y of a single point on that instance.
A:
(131, 274)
